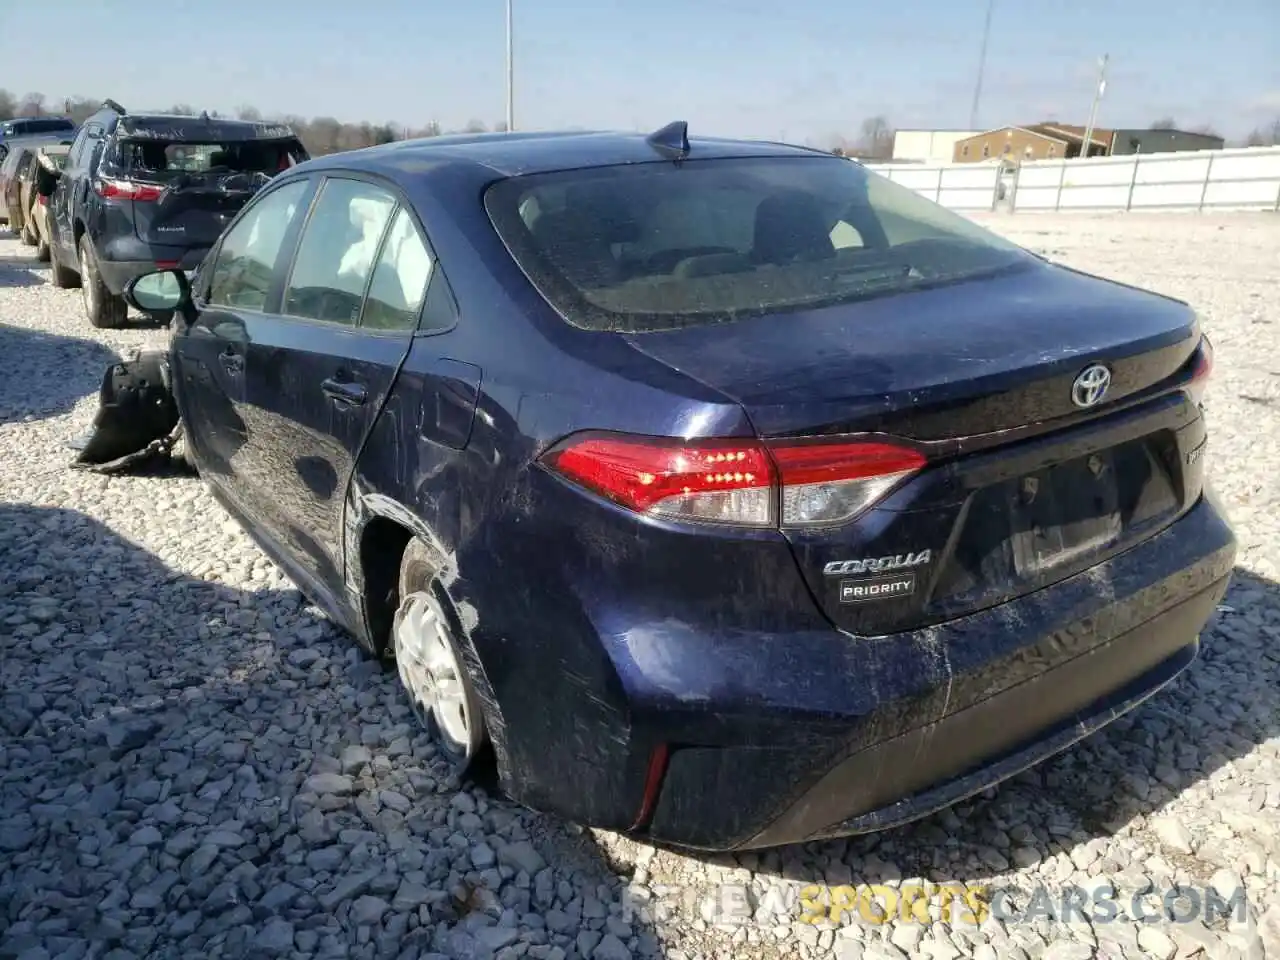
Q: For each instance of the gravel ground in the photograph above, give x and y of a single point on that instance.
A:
(193, 762)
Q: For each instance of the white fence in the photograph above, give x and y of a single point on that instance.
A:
(1238, 179)
(959, 186)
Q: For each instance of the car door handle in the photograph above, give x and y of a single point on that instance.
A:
(232, 362)
(343, 391)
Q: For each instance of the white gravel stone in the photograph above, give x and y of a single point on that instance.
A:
(195, 762)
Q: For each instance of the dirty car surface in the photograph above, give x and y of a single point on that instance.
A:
(759, 499)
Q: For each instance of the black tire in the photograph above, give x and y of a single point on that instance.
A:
(105, 310)
(63, 278)
(28, 235)
(417, 580)
(42, 251)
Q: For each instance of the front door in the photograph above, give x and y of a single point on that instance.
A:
(320, 370)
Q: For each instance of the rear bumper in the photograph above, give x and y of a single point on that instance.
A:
(122, 260)
(921, 771)
(1018, 683)
(794, 731)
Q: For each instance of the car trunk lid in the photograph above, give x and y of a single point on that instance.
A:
(1023, 486)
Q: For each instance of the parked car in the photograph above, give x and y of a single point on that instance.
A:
(713, 528)
(22, 127)
(44, 179)
(141, 191)
(15, 166)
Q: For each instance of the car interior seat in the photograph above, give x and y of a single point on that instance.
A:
(791, 226)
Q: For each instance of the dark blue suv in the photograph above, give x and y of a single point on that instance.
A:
(147, 192)
(731, 493)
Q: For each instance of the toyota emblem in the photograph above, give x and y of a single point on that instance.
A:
(1090, 386)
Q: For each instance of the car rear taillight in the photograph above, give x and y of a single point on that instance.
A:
(1201, 368)
(833, 482)
(42, 200)
(111, 189)
(744, 482)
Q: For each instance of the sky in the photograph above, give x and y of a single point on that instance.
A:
(798, 70)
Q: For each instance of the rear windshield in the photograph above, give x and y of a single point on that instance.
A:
(651, 246)
(158, 157)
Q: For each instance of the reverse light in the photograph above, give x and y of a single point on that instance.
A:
(744, 482)
(112, 189)
(834, 482)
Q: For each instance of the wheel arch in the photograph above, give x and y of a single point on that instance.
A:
(381, 533)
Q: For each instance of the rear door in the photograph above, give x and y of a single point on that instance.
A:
(242, 282)
(73, 189)
(320, 370)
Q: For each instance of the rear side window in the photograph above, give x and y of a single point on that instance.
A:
(651, 246)
(337, 252)
(241, 274)
(399, 280)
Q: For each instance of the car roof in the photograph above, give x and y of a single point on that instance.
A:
(514, 154)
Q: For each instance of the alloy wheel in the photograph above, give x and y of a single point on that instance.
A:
(432, 674)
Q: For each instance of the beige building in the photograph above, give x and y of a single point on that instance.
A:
(1041, 141)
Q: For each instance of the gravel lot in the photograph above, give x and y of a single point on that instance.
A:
(193, 762)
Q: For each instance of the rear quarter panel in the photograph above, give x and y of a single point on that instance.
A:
(532, 380)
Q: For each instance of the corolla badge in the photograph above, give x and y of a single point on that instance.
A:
(1091, 386)
(876, 564)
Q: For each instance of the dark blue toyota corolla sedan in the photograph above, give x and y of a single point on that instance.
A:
(730, 493)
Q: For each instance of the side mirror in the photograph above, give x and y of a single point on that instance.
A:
(161, 291)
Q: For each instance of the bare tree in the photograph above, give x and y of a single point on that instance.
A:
(1164, 123)
(32, 105)
(8, 105)
(875, 141)
(248, 112)
(474, 126)
(1267, 135)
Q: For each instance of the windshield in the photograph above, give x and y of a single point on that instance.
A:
(159, 157)
(650, 246)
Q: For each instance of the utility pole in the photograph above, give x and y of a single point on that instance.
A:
(1093, 110)
(511, 105)
(982, 65)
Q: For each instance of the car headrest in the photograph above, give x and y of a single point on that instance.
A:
(791, 226)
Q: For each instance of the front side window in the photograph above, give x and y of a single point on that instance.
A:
(399, 280)
(241, 274)
(337, 251)
(650, 246)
